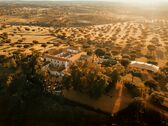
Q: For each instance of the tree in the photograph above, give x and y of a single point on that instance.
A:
(152, 84)
(35, 42)
(109, 62)
(126, 56)
(165, 70)
(115, 52)
(125, 62)
(133, 88)
(114, 72)
(166, 64)
(8, 40)
(27, 28)
(135, 73)
(27, 72)
(44, 45)
(115, 76)
(67, 81)
(89, 78)
(151, 48)
(153, 62)
(4, 35)
(100, 52)
(22, 86)
(89, 51)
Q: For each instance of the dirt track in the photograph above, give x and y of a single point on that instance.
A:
(117, 103)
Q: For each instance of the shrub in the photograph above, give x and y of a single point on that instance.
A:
(44, 45)
(134, 90)
(19, 46)
(125, 56)
(109, 62)
(26, 46)
(20, 40)
(56, 44)
(27, 29)
(100, 52)
(125, 62)
(115, 52)
(152, 84)
(86, 45)
(8, 41)
(153, 62)
(12, 44)
(35, 41)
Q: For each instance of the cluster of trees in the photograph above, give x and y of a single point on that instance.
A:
(152, 81)
(162, 78)
(23, 96)
(93, 79)
(21, 79)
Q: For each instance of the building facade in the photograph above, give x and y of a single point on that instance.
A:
(60, 60)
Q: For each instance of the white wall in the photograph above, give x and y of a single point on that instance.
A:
(57, 62)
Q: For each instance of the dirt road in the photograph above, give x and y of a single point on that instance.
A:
(119, 93)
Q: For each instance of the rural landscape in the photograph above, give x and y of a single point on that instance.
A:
(84, 63)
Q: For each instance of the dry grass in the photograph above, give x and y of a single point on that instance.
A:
(104, 103)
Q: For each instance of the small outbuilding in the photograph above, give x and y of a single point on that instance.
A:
(143, 65)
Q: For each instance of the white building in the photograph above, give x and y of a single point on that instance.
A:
(145, 66)
(57, 61)
(61, 59)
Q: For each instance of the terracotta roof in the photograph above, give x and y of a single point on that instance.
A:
(59, 69)
(77, 56)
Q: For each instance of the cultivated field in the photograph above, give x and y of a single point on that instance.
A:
(119, 38)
